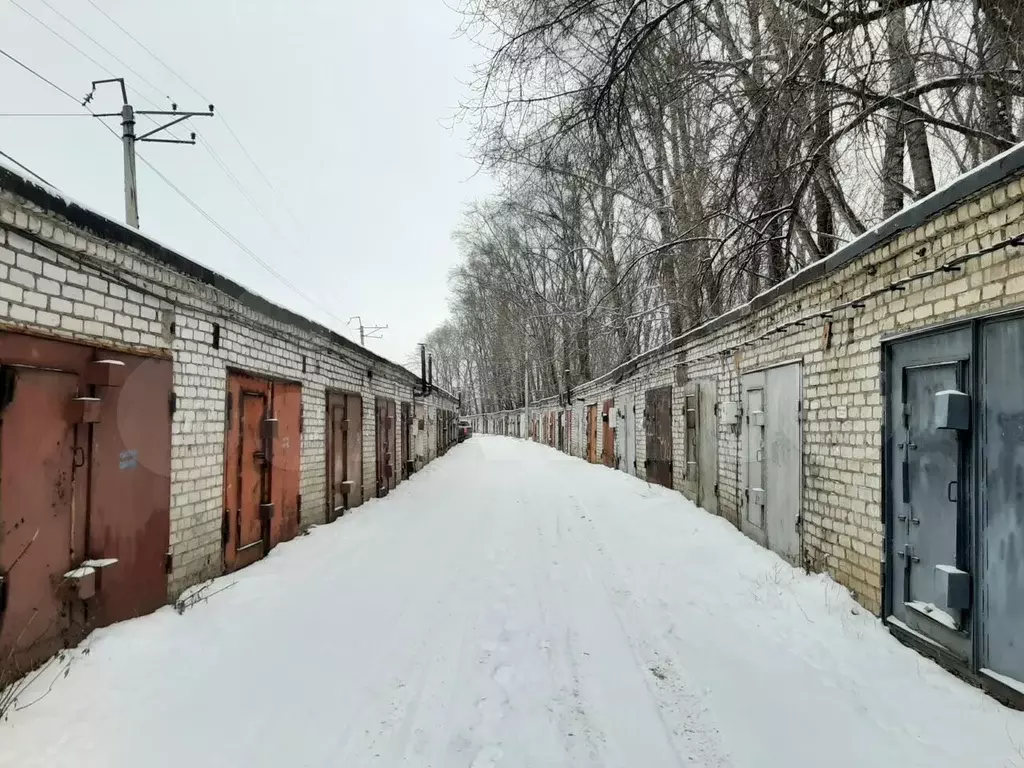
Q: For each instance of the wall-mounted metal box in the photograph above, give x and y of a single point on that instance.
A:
(729, 413)
(952, 410)
(954, 587)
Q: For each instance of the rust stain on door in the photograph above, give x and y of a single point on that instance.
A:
(344, 453)
(386, 480)
(84, 475)
(658, 423)
(608, 444)
(37, 454)
(592, 434)
(261, 471)
(286, 459)
(131, 481)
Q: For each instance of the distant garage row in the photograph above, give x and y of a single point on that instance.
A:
(864, 418)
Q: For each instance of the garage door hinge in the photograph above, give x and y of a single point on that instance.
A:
(169, 563)
(172, 402)
(302, 423)
(716, 490)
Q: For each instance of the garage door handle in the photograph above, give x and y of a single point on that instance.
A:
(952, 488)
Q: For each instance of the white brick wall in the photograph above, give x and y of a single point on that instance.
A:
(58, 279)
(842, 531)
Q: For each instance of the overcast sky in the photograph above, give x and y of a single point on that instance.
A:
(345, 106)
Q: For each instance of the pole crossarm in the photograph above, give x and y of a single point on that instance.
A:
(129, 139)
(165, 126)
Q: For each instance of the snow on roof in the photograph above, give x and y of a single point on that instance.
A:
(1005, 165)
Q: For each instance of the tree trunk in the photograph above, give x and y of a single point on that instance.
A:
(996, 100)
(824, 216)
(916, 136)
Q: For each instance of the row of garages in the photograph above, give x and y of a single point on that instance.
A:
(878, 436)
(160, 425)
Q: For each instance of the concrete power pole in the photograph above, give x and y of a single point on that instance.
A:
(129, 140)
(366, 332)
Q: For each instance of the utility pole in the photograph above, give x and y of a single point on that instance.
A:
(129, 139)
(367, 331)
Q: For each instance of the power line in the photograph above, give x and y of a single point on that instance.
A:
(41, 77)
(26, 169)
(143, 46)
(106, 50)
(74, 47)
(57, 34)
(199, 209)
(223, 119)
(241, 246)
(238, 184)
(43, 114)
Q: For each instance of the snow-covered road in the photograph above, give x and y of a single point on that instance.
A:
(510, 606)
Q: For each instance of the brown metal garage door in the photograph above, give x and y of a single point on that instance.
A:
(658, 423)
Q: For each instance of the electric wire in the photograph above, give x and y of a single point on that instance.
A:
(223, 117)
(192, 203)
(105, 69)
(106, 50)
(25, 168)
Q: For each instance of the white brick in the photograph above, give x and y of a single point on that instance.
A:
(94, 298)
(49, 319)
(11, 292)
(22, 278)
(71, 324)
(55, 273)
(93, 328)
(30, 264)
(8, 256)
(23, 314)
(104, 315)
(72, 293)
(16, 241)
(84, 310)
(48, 286)
(97, 284)
(34, 299)
(62, 306)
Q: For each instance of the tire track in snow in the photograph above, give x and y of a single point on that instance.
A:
(691, 736)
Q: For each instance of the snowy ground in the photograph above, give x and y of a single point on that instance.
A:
(511, 606)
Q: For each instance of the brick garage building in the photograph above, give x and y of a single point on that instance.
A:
(813, 419)
(159, 415)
